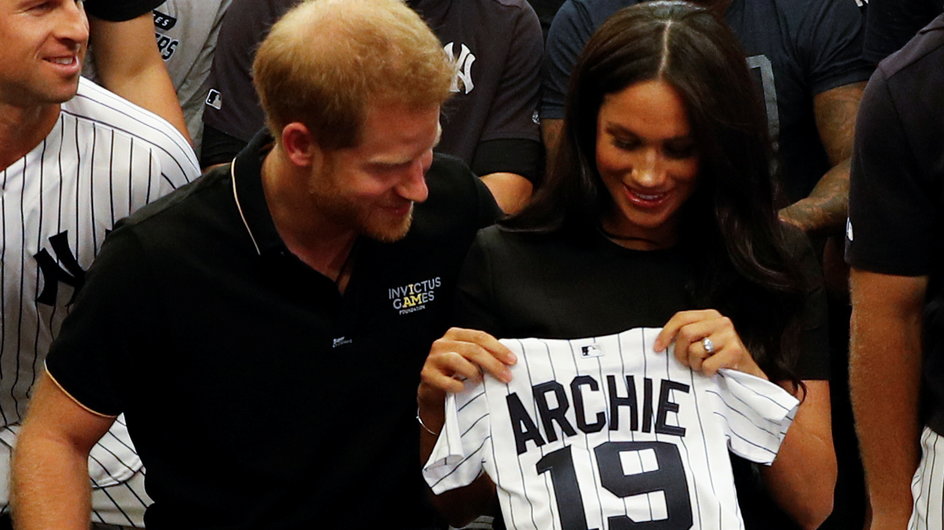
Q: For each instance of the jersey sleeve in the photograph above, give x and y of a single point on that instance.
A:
(755, 414)
(176, 158)
(830, 37)
(460, 451)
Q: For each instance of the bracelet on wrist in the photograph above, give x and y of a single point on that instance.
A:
(423, 425)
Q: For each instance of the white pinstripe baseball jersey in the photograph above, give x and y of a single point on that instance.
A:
(605, 433)
(103, 159)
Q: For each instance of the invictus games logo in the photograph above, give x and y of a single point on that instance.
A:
(413, 297)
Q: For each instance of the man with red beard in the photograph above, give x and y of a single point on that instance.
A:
(278, 310)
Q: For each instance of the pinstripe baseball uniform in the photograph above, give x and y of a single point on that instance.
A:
(103, 159)
(605, 433)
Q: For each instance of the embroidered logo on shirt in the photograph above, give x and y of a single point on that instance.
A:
(413, 297)
(53, 273)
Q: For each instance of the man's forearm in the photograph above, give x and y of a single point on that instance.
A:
(803, 476)
(824, 211)
(885, 377)
(50, 485)
(128, 63)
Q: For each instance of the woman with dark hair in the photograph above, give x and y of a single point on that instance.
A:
(657, 212)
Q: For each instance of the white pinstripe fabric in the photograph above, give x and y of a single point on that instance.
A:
(611, 463)
(927, 486)
(103, 159)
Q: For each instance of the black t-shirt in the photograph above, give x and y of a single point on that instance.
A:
(896, 197)
(517, 285)
(256, 394)
(121, 10)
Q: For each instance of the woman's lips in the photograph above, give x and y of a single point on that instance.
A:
(646, 200)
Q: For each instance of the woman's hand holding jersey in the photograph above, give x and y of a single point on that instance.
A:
(705, 340)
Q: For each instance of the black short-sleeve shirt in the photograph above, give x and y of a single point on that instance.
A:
(256, 394)
(896, 200)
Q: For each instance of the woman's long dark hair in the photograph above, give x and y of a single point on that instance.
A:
(729, 226)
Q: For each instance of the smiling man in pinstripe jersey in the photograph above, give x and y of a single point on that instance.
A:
(74, 159)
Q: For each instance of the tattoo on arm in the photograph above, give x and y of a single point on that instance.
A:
(824, 210)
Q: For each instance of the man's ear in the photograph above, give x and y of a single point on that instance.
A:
(300, 146)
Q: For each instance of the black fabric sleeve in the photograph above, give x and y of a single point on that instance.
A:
(893, 208)
(832, 34)
(91, 359)
(119, 11)
(218, 147)
(520, 156)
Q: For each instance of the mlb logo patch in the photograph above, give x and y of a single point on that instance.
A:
(215, 99)
(591, 350)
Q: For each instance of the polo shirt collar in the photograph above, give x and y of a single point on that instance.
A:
(246, 174)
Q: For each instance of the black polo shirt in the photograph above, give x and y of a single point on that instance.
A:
(256, 394)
